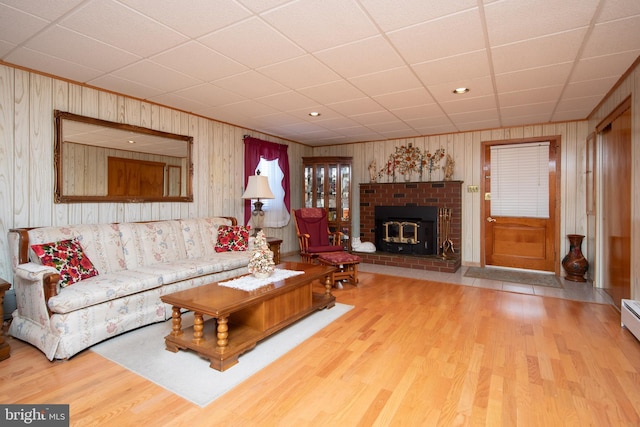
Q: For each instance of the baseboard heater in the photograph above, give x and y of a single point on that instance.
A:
(630, 316)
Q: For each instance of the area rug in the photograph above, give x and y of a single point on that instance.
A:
(525, 278)
(188, 375)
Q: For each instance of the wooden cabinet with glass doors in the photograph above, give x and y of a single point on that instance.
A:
(327, 184)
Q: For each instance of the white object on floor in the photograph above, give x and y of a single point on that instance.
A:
(360, 246)
(630, 316)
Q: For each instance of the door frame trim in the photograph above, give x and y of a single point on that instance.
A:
(555, 140)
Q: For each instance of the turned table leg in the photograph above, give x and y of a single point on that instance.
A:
(176, 321)
(328, 284)
(223, 333)
(198, 327)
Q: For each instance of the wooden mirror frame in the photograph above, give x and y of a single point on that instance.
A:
(59, 195)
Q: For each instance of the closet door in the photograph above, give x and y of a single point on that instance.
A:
(616, 207)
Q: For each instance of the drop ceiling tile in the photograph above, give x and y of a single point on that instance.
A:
(259, 6)
(250, 84)
(442, 128)
(603, 66)
(589, 87)
(402, 13)
(618, 9)
(337, 91)
(118, 25)
(52, 65)
(530, 96)
(362, 57)
(389, 81)
(356, 107)
(535, 53)
(374, 117)
(249, 109)
(613, 37)
(473, 115)
(120, 85)
(253, 43)
(405, 98)
(432, 121)
(552, 75)
(391, 126)
(454, 68)
(539, 109)
(155, 75)
(449, 36)
(479, 105)
(585, 104)
(300, 72)
(56, 40)
(337, 123)
(17, 26)
(182, 103)
(48, 10)
(416, 112)
(506, 19)
(5, 48)
(195, 19)
(288, 101)
(210, 95)
(318, 25)
(198, 60)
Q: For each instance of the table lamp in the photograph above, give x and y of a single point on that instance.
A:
(258, 188)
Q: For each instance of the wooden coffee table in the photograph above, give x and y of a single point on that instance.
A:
(239, 319)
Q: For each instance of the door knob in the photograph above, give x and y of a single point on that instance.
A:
(489, 219)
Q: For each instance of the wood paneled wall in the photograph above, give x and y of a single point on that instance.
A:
(465, 149)
(27, 102)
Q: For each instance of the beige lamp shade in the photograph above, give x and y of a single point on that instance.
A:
(258, 188)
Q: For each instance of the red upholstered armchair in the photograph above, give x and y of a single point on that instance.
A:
(312, 227)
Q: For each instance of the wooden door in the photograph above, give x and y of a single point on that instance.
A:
(523, 242)
(616, 208)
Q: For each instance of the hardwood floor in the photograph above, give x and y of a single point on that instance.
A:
(411, 352)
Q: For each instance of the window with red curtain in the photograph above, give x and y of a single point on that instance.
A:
(256, 149)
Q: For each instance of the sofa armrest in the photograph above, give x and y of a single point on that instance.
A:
(34, 284)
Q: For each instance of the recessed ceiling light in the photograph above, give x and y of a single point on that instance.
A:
(131, 141)
(460, 90)
(314, 114)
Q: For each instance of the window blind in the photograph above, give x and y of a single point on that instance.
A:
(520, 180)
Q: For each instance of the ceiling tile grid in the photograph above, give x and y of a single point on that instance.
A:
(373, 69)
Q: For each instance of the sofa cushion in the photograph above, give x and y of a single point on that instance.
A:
(201, 235)
(232, 238)
(68, 258)
(149, 243)
(102, 288)
(101, 243)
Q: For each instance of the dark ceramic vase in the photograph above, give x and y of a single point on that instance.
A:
(574, 263)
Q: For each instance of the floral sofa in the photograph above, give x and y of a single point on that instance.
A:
(80, 284)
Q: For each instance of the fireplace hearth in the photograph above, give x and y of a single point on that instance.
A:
(400, 248)
(407, 230)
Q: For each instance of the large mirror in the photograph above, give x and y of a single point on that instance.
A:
(101, 161)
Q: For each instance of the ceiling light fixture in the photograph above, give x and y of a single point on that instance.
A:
(314, 114)
(460, 90)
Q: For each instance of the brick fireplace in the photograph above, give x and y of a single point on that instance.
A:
(439, 194)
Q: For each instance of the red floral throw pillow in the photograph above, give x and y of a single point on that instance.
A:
(232, 238)
(68, 258)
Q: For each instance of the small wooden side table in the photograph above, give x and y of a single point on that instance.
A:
(5, 350)
(274, 246)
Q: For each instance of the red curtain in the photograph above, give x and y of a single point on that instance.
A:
(254, 149)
